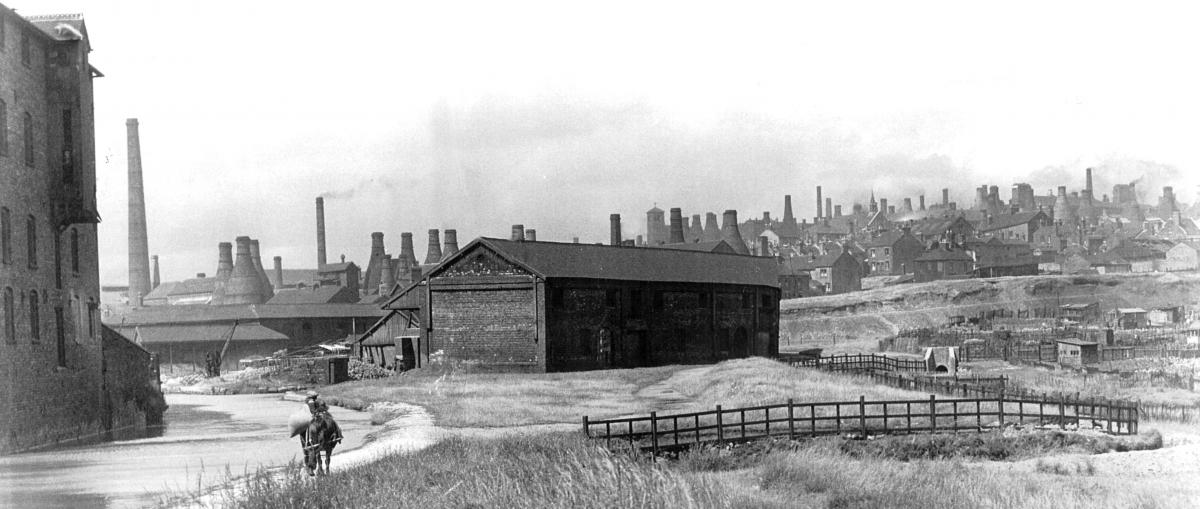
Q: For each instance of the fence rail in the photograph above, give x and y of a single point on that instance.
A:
(856, 362)
(657, 433)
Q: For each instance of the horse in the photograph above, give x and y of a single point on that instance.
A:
(319, 433)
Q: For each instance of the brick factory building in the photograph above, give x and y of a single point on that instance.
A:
(543, 306)
(53, 352)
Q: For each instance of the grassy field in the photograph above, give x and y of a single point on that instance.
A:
(463, 399)
(563, 470)
(1068, 382)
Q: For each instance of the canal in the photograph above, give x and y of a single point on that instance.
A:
(204, 438)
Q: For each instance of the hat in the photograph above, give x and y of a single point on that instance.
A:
(311, 394)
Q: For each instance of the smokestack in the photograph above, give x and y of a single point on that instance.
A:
(530, 235)
(224, 260)
(711, 230)
(883, 206)
(371, 277)
(263, 282)
(764, 246)
(154, 268)
(450, 243)
(687, 229)
(518, 233)
(614, 229)
(433, 253)
(945, 197)
(244, 286)
(139, 249)
(921, 201)
(387, 277)
(819, 215)
(828, 207)
(406, 249)
(1062, 190)
(320, 232)
(837, 211)
(787, 209)
(697, 230)
(1088, 185)
(676, 226)
(278, 272)
(730, 233)
(907, 205)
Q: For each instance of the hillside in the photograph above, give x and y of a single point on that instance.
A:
(873, 314)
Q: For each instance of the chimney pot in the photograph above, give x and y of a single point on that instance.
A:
(531, 235)
(518, 232)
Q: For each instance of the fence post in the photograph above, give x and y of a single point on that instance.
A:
(720, 427)
(932, 414)
(791, 421)
(1001, 407)
(654, 435)
(586, 431)
(1062, 413)
(862, 414)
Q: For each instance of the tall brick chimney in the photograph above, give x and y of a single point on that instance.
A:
(787, 209)
(837, 211)
(819, 203)
(518, 233)
(883, 206)
(320, 232)
(676, 236)
(374, 262)
(387, 277)
(278, 273)
(154, 272)
(433, 253)
(921, 199)
(614, 229)
(1088, 184)
(945, 197)
(828, 207)
(139, 249)
(224, 260)
(764, 246)
(730, 233)
(907, 205)
(450, 243)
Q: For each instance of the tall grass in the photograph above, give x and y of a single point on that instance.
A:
(557, 470)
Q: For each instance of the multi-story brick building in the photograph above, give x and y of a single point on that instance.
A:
(546, 306)
(50, 338)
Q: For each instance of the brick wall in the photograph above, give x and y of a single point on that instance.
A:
(133, 398)
(47, 396)
(495, 327)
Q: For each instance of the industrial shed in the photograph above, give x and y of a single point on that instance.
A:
(545, 306)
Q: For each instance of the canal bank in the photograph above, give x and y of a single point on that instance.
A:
(206, 439)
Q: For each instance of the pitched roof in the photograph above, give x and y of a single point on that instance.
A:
(314, 295)
(944, 255)
(200, 313)
(179, 333)
(709, 246)
(1001, 221)
(799, 263)
(161, 291)
(887, 239)
(592, 261)
(194, 286)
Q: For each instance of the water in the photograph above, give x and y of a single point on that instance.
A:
(204, 436)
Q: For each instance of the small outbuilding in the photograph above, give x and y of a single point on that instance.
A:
(1075, 352)
(1132, 318)
(1080, 312)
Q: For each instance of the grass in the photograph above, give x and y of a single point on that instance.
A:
(557, 470)
(463, 399)
(1068, 382)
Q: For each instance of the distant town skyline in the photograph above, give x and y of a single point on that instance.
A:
(411, 116)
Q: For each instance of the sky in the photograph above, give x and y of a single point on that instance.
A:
(409, 116)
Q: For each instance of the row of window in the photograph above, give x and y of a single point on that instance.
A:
(26, 134)
(725, 301)
(31, 304)
(26, 42)
(31, 242)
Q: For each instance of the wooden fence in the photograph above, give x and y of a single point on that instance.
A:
(856, 362)
(656, 433)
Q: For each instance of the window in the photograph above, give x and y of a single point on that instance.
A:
(872, 252)
(60, 336)
(35, 326)
(68, 159)
(824, 272)
(747, 301)
(5, 236)
(10, 328)
(3, 125)
(768, 302)
(25, 49)
(31, 239)
(75, 251)
(28, 137)
(887, 251)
